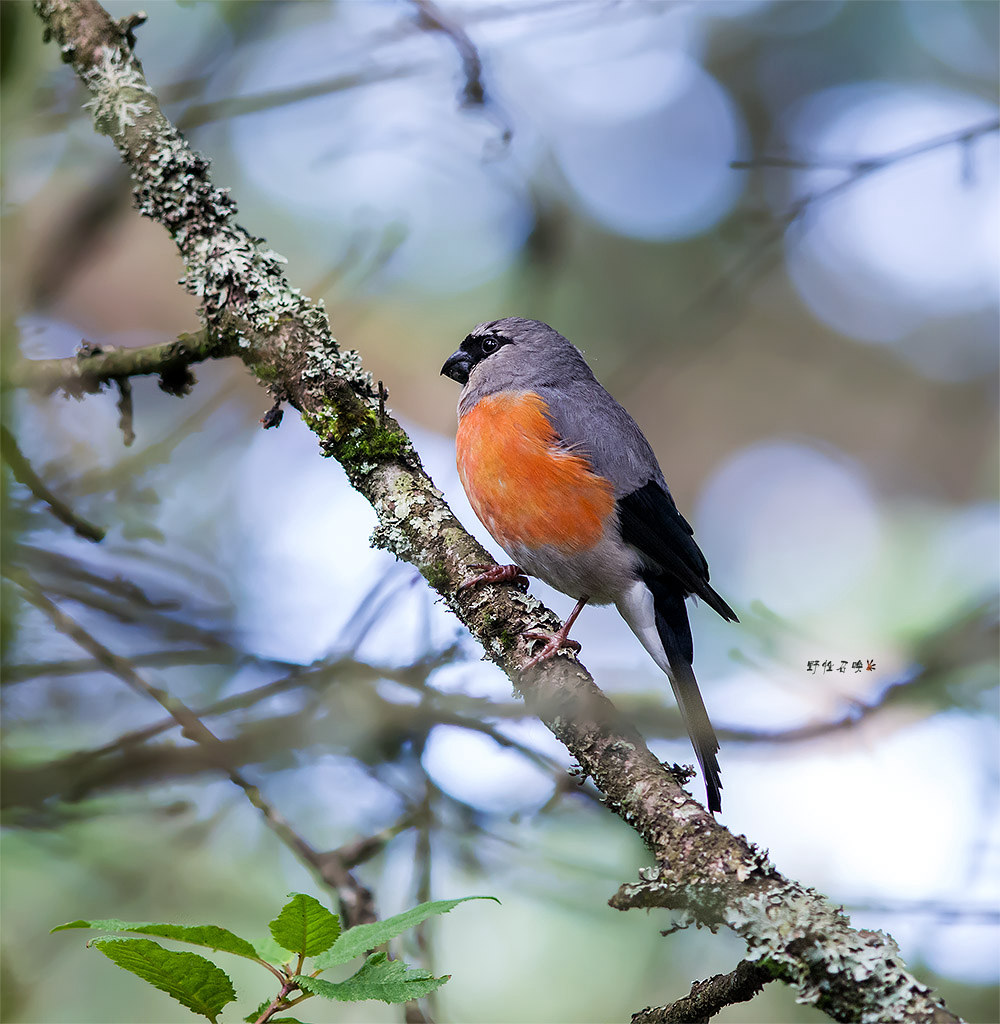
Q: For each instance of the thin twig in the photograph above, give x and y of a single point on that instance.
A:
(433, 19)
(857, 171)
(383, 395)
(358, 851)
(355, 899)
(24, 474)
(27, 671)
(125, 410)
(707, 998)
(752, 263)
(866, 165)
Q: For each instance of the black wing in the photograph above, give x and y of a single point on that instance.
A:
(650, 522)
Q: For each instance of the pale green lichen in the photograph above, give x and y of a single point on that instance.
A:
(799, 936)
(120, 94)
(325, 360)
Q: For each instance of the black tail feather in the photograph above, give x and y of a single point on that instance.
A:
(675, 633)
(714, 601)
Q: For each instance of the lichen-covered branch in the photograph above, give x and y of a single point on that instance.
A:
(794, 932)
(702, 870)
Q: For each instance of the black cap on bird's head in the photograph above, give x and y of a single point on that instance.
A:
(538, 348)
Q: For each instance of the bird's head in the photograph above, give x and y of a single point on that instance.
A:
(512, 354)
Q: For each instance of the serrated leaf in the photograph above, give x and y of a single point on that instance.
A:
(391, 981)
(305, 926)
(192, 980)
(358, 940)
(209, 935)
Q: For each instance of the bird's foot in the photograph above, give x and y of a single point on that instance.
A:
(558, 641)
(554, 643)
(494, 574)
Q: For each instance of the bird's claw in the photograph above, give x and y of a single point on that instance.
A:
(554, 643)
(494, 574)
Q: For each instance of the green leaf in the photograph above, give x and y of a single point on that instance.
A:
(271, 951)
(358, 940)
(305, 926)
(209, 935)
(189, 978)
(392, 981)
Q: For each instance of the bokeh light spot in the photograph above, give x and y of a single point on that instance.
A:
(914, 240)
(665, 174)
(788, 525)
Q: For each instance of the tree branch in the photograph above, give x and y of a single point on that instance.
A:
(24, 474)
(716, 877)
(431, 18)
(859, 168)
(755, 260)
(707, 998)
(93, 367)
(355, 900)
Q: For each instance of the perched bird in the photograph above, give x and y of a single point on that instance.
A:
(569, 487)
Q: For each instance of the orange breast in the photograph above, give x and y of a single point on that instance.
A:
(524, 487)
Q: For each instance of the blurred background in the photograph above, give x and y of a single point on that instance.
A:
(773, 229)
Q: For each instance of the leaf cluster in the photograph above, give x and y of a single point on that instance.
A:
(303, 930)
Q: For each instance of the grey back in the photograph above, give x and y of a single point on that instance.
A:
(538, 358)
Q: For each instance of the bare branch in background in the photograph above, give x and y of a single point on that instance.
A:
(23, 473)
(433, 19)
(702, 869)
(758, 257)
(148, 659)
(355, 900)
(199, 114)
(969, 640)
(860, 168)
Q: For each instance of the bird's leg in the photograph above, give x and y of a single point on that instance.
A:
(558, 641)
(494, 574)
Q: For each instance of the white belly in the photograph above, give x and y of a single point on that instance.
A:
(603, 573)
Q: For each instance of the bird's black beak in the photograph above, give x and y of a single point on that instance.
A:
(458, 366)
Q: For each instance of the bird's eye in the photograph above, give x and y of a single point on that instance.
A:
(490, 345)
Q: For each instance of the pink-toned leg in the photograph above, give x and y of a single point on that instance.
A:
(493, 574)
(558, 641)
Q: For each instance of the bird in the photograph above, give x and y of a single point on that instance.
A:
(567, 484)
